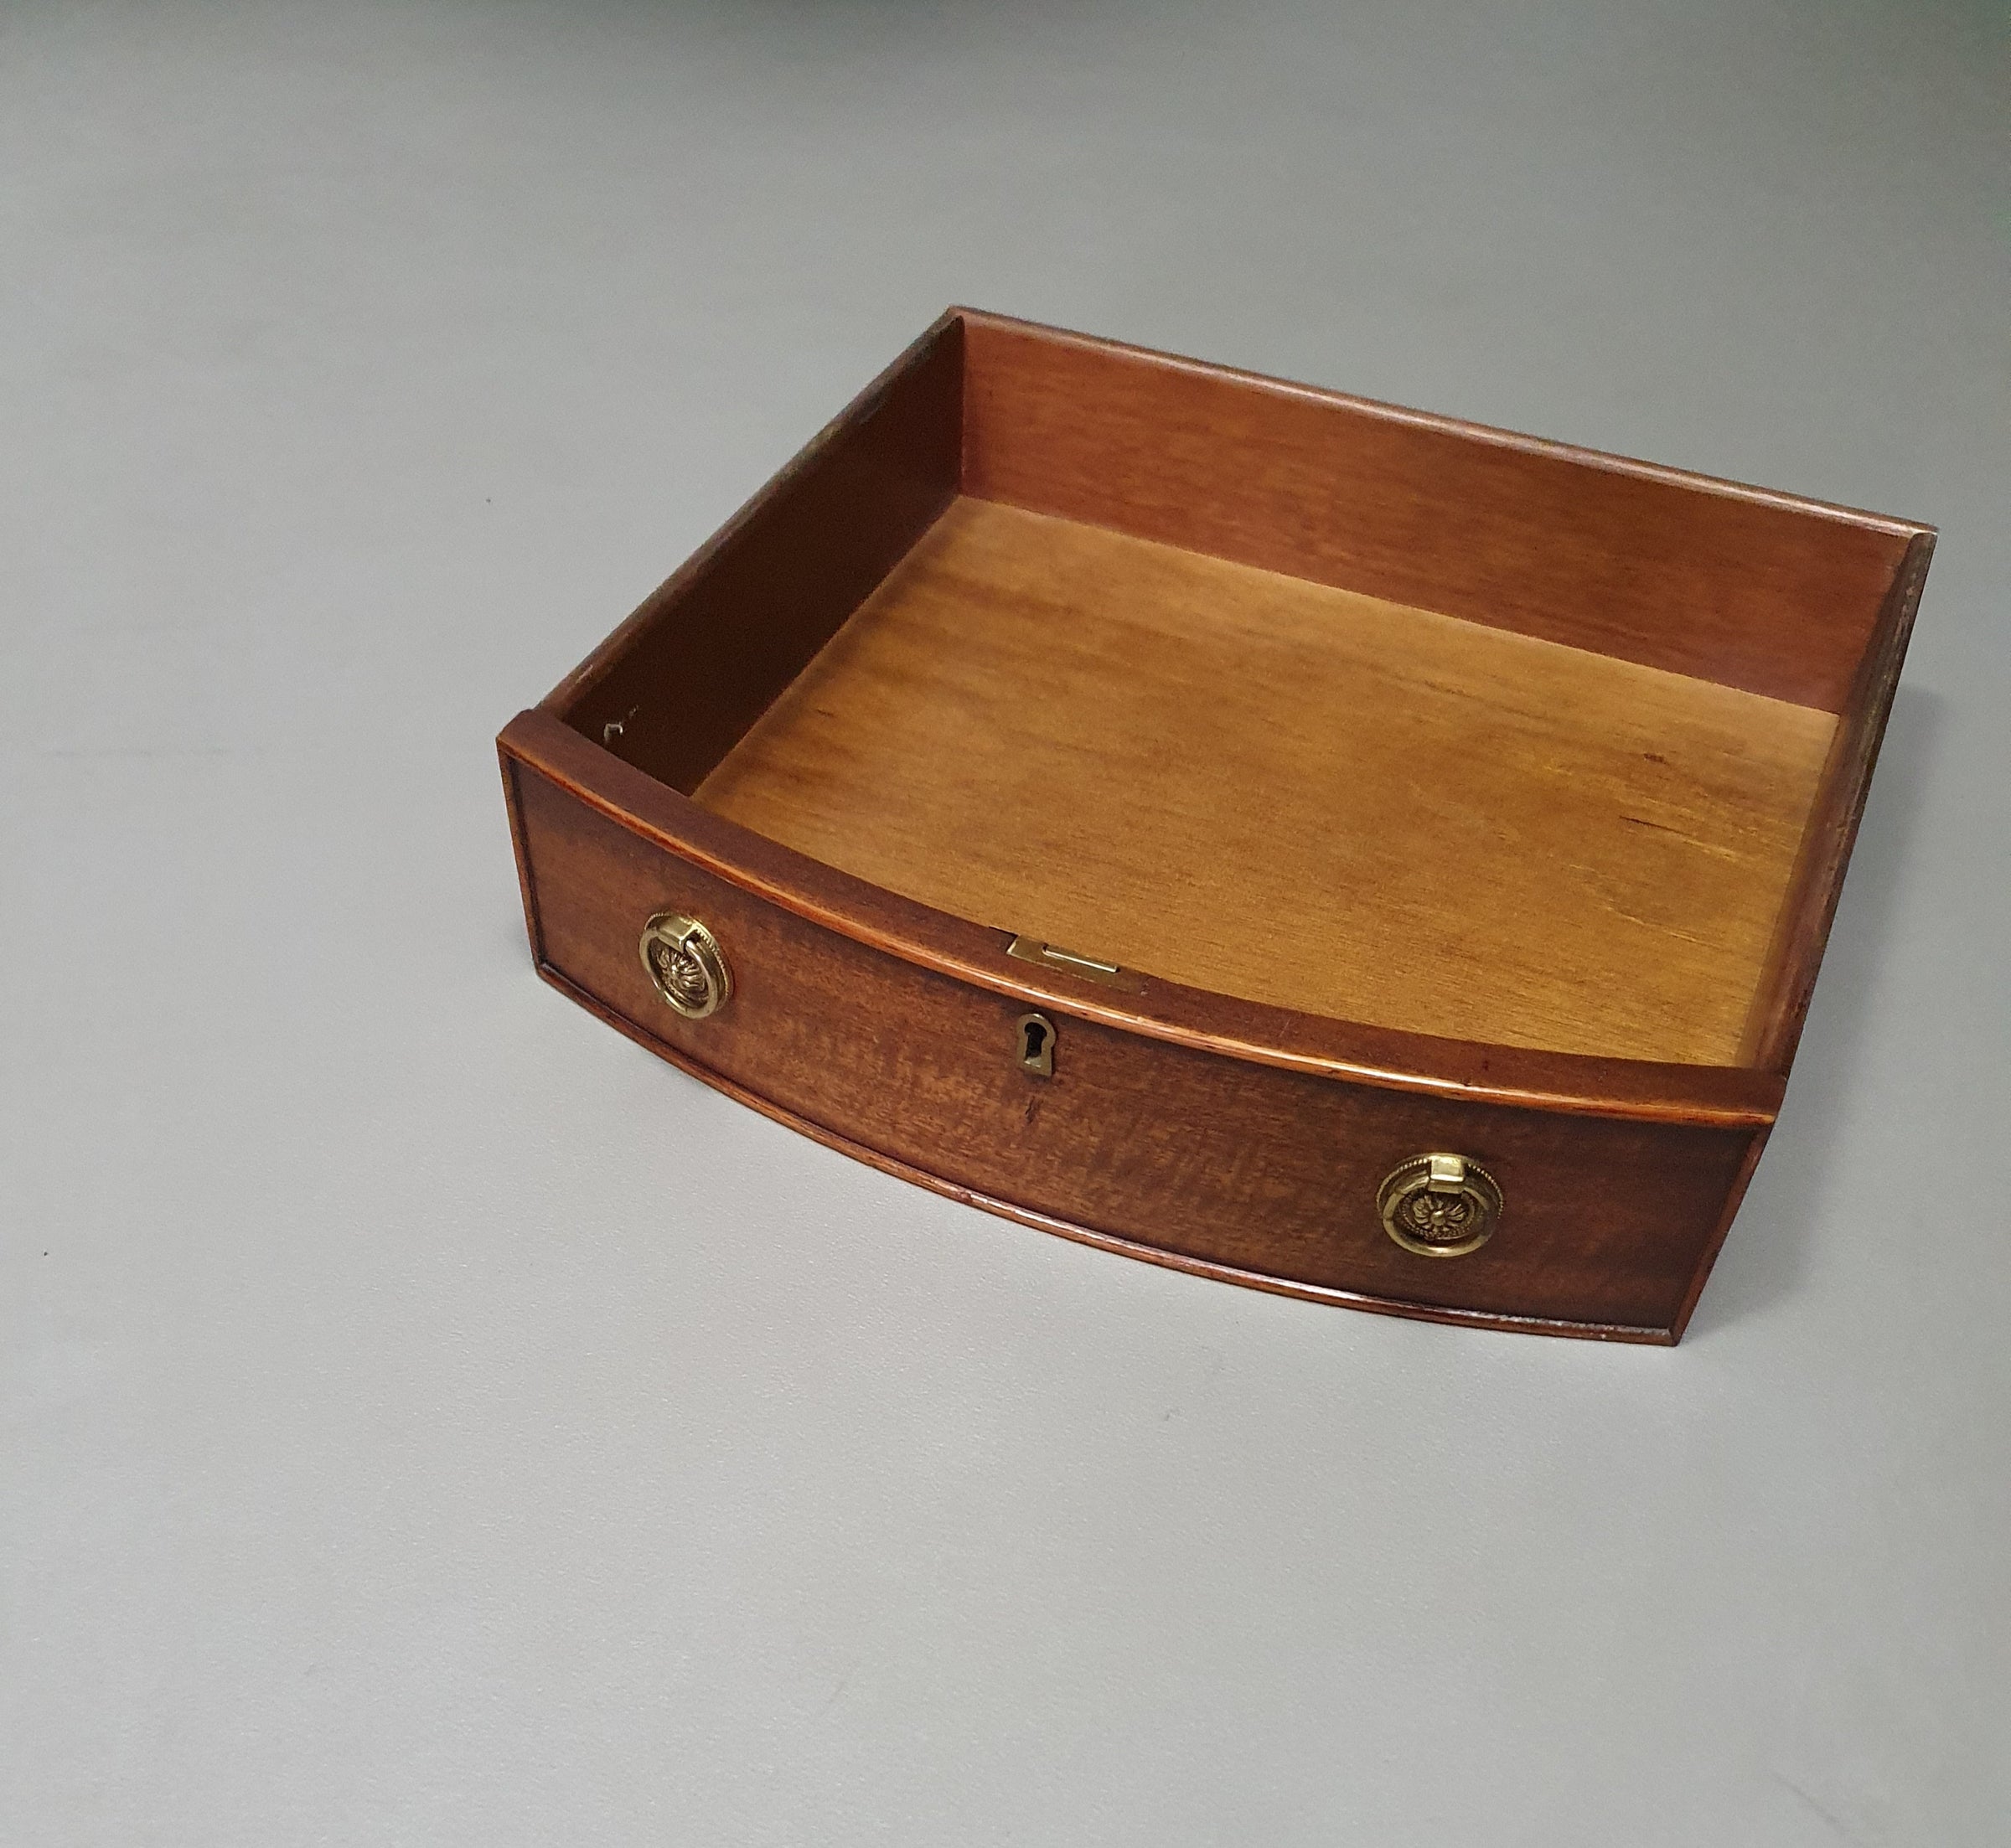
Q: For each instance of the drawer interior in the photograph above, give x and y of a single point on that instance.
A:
(1294, 793)
(1311, 702)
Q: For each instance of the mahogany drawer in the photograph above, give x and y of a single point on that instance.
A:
(1191, 1158)
(1443, 825)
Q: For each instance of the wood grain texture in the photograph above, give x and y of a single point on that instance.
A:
(1293, 794)
(1781, 1004)
(1757, 590)
(1245, 1171)
(682, 680)
(1571, 1084)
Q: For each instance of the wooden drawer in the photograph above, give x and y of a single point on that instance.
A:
(1187, 1156)
(864, 825)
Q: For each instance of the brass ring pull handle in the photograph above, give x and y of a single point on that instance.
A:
(1440, 1205)
(687, 965)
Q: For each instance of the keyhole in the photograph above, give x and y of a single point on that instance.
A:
(1037, 1045)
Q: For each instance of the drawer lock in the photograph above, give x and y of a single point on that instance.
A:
(1037, 1045)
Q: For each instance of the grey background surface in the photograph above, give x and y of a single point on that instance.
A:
(429, 1419)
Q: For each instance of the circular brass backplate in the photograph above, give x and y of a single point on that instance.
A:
(686, 963)
(1440, 1205)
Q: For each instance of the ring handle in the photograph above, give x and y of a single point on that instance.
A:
(686, 964)
(1440, 1205)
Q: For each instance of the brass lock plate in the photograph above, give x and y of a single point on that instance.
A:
(1051, 956)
